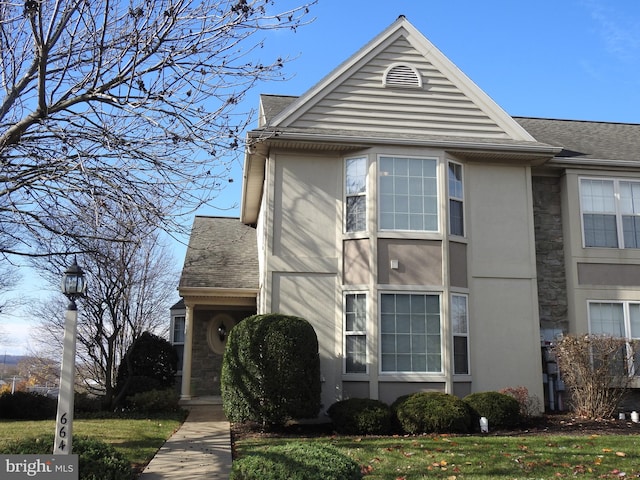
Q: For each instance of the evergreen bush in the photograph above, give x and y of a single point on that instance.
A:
(429, 412)
(154, 401)
(296, 461)
(501, 410)
(150, 363)
(271, 370)
(360, 416)
(27, 406)
(97, 460)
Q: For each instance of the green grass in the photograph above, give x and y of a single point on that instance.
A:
(137, 438)
(482, 457)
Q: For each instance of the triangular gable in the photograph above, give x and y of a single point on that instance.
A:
(445, 103)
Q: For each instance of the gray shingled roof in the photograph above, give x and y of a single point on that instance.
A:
(592, 140)
(222, 253)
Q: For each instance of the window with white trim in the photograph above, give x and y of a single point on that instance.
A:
(456, 199)
(460, 328)
(410, 333)
(408, 194)
(610, 212)
(177, 337)
(619, 320)
(355, 194)
(355, 333)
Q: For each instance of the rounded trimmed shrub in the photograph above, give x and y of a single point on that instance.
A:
(296, 461)
(431, 412)
(501, 410)
(271, 370)
(361, 416)
(97, 460)
(27, 406)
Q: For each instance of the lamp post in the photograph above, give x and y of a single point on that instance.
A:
(74, 287)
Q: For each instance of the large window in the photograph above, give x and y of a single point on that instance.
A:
(410, 333)
(620, 320)
(355, 336)
(355, 194)
(456, 199)
(460, 327)
(177, 338)
(610, 212)
(408, 194)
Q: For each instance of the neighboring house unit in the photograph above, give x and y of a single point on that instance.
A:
(431, 239)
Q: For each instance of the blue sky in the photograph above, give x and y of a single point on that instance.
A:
(567, 59)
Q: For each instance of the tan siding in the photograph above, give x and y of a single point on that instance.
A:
(361, 102)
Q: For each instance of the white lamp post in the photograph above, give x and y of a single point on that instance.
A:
(73, 286)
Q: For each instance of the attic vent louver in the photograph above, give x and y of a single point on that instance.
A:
(402, 75)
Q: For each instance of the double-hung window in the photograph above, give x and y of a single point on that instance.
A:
(460, 327)
(610, 212)
(619, 320)
(408, 194)
(177, 337)
(410, 333)
(355, 194)
(456, 199)
(355, 333)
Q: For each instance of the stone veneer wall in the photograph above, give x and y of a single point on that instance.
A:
(205, 364)
(552, 282)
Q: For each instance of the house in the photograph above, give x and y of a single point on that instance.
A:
(432, 240)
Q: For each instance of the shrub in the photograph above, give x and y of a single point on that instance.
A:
(296, 461)
(501, 410)
(154, 401)
(271, 370)
(529, 404)
(150, 363)
(595, 371)
(427, 412)
(361, 416)
(27, 406)
(97, 460)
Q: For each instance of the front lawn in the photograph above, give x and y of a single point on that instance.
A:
(137, 438)
(481, 457)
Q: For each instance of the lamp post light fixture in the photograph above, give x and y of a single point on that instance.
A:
(74, 286)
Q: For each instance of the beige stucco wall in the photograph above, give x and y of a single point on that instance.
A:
(504, 323)
(419, 262)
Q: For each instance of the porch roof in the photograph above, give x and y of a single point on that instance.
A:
(222, 253)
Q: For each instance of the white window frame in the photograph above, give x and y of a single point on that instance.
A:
(348, 195)
(462, 334)
(355, 333)
(184, 334)
(456, 198)
(626, 323)
(616, 211)
(404, 373)
(437, 205)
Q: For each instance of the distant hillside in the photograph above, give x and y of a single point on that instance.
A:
(11, 359)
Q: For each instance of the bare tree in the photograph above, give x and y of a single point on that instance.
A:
(131, 287)
(129, 103)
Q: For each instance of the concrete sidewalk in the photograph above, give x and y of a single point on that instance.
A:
(200, 449)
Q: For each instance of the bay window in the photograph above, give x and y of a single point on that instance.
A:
(456, 199)
(460, 328)
(408, 194)
(356, 194)
(355, 336)
(410, 333)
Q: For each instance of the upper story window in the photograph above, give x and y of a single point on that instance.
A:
(610, 212)
(408, 194)
(456, 200)
(355, 194)
(177, 336)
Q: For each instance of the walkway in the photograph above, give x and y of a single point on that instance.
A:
(200, 449)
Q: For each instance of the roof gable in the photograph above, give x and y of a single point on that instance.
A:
(442, 101)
